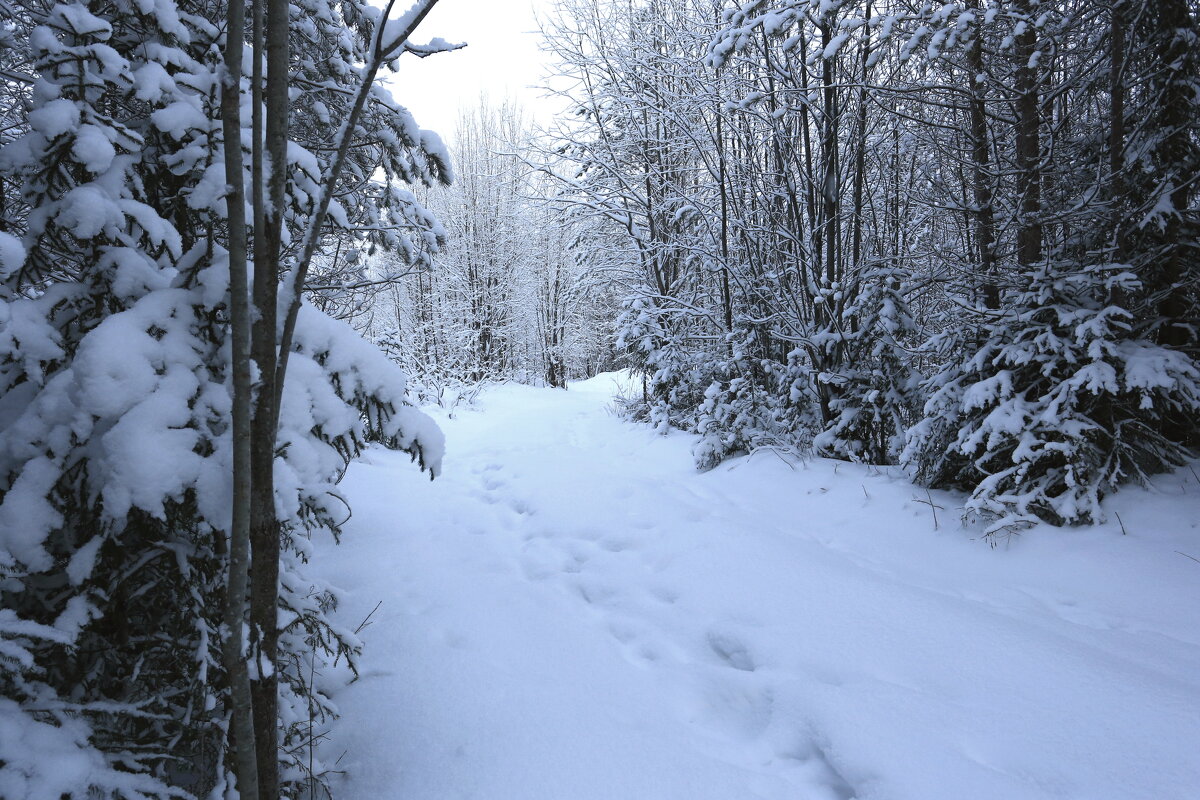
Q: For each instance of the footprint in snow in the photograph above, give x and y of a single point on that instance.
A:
(489, 498)
(812, 759)
(575, 557)
(731, 651)
(636, 640)
(742, 712)
(539, 562)
(664, 595)
(593, 592)
(615, 544)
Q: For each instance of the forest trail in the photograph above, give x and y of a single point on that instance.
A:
(571, 612)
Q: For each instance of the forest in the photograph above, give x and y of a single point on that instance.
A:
(950, 245)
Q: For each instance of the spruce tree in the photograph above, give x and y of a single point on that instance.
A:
(115, 389)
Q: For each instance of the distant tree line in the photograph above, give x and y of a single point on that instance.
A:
(512, 295)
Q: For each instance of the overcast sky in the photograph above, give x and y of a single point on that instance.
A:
(501, 57)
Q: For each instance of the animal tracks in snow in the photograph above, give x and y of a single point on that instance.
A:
(614, 576)
(731, 651)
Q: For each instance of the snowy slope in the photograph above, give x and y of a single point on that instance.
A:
(572, 612)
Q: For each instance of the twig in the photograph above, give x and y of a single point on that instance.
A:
(367, 618)
(932, 506)
(1185, 555)
(779, 455)
(366, 621)
(1122, 524)
(312, 739)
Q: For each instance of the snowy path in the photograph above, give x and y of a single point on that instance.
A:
(571, 612)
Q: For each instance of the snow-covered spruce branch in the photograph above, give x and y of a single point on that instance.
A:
(389, 39)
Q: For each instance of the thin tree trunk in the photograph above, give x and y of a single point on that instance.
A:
(827, 360)
(271, 355)
(1174, 32)
(264, 526)
(831, 180)
(256, 127)
(860, 153)
(985, 222)
(244, 764)
(1116, 123)
(723, 183)
(1028, 145)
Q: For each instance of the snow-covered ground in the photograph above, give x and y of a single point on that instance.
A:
(571, 612)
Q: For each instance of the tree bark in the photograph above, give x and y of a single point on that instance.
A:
(271, 353)
(242, 713)
(831, 179)
(860, 152)
(985, 223)
(264, 526)
(1116, 125)
(723, 184)
(1175, 158)
(1028, 144)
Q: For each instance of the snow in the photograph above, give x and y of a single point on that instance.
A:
(42, 761)
(152, 81)
(88, 210)
(432, 144)
(571, 611)
(26, 515)
(77, 19)
(93, 149)
(12, 255)
(54, 118)
(394, 29)
(80, 567)
(179, 118)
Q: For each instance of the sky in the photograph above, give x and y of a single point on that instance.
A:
(501, 59)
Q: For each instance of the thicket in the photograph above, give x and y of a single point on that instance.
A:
(960, 237)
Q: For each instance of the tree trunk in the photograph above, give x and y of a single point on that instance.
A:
(985, 223)
(831, 179)
(1116, 75)
(244, 764)
(723, 184)
(860, 153)
(1175, 157)
(264, 527)
(827, 359)
(1028, 145)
